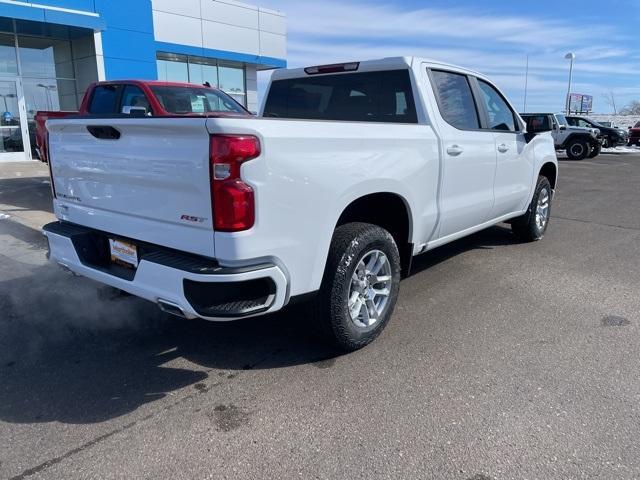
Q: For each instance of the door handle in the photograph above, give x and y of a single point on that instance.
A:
(454, 150)
(104, 132)
(502, 148)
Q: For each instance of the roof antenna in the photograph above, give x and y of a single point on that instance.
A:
(207, 84)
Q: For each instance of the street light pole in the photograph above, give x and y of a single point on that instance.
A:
(526, 84)
(571, 57)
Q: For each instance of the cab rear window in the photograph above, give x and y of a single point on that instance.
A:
(361, 97)
(104, 99)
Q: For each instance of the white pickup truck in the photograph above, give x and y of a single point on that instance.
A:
(349, 172)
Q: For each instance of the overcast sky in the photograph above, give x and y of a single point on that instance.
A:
(490, 36)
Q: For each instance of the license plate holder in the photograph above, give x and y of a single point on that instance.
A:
(123, 253)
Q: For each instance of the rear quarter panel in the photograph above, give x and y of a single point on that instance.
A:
(310, 171)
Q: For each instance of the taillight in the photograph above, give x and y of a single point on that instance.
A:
(233, 203)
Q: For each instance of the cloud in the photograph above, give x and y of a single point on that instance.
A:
(374, 20)
(475, 37)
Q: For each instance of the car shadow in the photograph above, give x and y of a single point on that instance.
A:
(74, 352)
(26, 193)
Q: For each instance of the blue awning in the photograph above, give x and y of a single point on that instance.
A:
(44, 15)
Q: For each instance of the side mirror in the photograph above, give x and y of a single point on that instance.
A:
(563, 127)
(134, 111)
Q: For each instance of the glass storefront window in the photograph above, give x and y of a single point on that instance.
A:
(172, 71)
(227, 76)
(231, 79)
(40, 72)
(172, 68)
(8, 60)
(45, 57)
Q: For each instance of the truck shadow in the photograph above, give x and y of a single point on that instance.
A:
(26, 193)
(496, 236)
(78, 353)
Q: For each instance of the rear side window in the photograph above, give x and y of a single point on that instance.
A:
(501, 117)
(360, 97)
(104, 100)
(455, 100)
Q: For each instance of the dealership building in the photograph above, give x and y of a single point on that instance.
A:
(51, 50)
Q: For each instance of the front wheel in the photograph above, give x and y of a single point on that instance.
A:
(578, 149)
(595, 150)
(360, 285)
(532, 225)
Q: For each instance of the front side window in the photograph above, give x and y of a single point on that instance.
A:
(501, 117)
(562, 120)
(455, 100)
(134, 97)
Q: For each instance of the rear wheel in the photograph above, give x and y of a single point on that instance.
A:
(578, 149)
(360, 285)
(595, 150)
(532, 225)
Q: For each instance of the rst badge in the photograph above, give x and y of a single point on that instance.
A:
(191, 218)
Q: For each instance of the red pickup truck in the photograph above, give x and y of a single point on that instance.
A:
(144, 98)
(634, 135)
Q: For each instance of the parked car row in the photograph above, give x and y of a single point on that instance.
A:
(578, 142)
(579, 136)
(611, 136)
(634, 135)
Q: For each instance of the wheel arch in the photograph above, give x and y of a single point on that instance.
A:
(578, 136)
(388, 210)
(550, 171)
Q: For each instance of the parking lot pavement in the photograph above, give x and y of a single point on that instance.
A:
(503, 361)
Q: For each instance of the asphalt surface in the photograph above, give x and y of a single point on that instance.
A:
(502, 361)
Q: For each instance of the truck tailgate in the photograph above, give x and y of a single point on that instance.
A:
(149, 184)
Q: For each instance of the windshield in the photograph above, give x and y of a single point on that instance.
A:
(186, 100)
(562, 120)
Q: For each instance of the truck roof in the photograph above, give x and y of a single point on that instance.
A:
(389, 63)
(150, 83)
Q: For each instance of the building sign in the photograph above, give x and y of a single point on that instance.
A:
(579, 103)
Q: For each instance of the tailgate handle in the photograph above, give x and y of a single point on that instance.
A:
(104, 132)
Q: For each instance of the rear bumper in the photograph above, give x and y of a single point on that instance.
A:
(180, 283)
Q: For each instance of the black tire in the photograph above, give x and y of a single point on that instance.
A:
(595, 150)
(527, 227)
(351, 243)
(578, 149)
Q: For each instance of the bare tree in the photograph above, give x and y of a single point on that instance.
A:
(632, 109)
(610, 99)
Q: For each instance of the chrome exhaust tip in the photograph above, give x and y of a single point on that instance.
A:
(171, 308)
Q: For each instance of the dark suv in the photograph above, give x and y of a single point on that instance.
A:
(611, 137)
